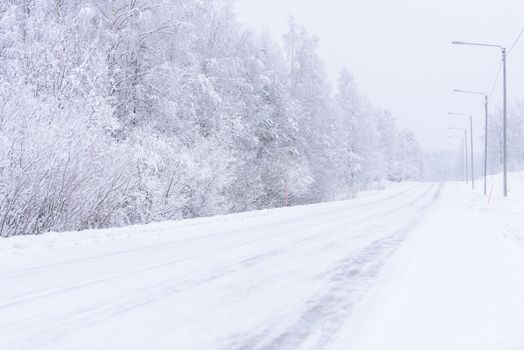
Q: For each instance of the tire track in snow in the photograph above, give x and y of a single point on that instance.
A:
(118, 305)
(96, 310)
(201, 254)
(243, 230)
(326, 312)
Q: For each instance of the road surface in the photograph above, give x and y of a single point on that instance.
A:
(294, 278)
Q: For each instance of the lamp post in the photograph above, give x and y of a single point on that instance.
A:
(465, 142)
(505, 109)
(471, 142)
(486, 99)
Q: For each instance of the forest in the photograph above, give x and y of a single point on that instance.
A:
(121, 112)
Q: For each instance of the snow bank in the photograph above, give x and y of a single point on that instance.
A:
(173, 229)
(458, 285)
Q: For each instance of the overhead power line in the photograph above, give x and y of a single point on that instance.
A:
(500, 65)
(516, 40)
(496, 80)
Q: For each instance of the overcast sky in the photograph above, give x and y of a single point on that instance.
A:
(400, 53)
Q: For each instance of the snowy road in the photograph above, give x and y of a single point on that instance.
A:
(267, 280)
(291, 278)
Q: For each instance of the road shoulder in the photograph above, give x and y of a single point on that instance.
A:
(457, 284)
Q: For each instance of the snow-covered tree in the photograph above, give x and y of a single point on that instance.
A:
(116, 112)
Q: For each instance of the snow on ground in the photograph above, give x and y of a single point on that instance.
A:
(416, 266)
(178, 229)
(458, 284)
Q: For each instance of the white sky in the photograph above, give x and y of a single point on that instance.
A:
(401, 54)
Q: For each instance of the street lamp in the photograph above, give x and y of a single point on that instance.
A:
(471, 141)
(465, 151)
(505, 109)
(486, 98)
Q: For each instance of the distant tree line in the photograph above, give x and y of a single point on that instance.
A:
(515, 130)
